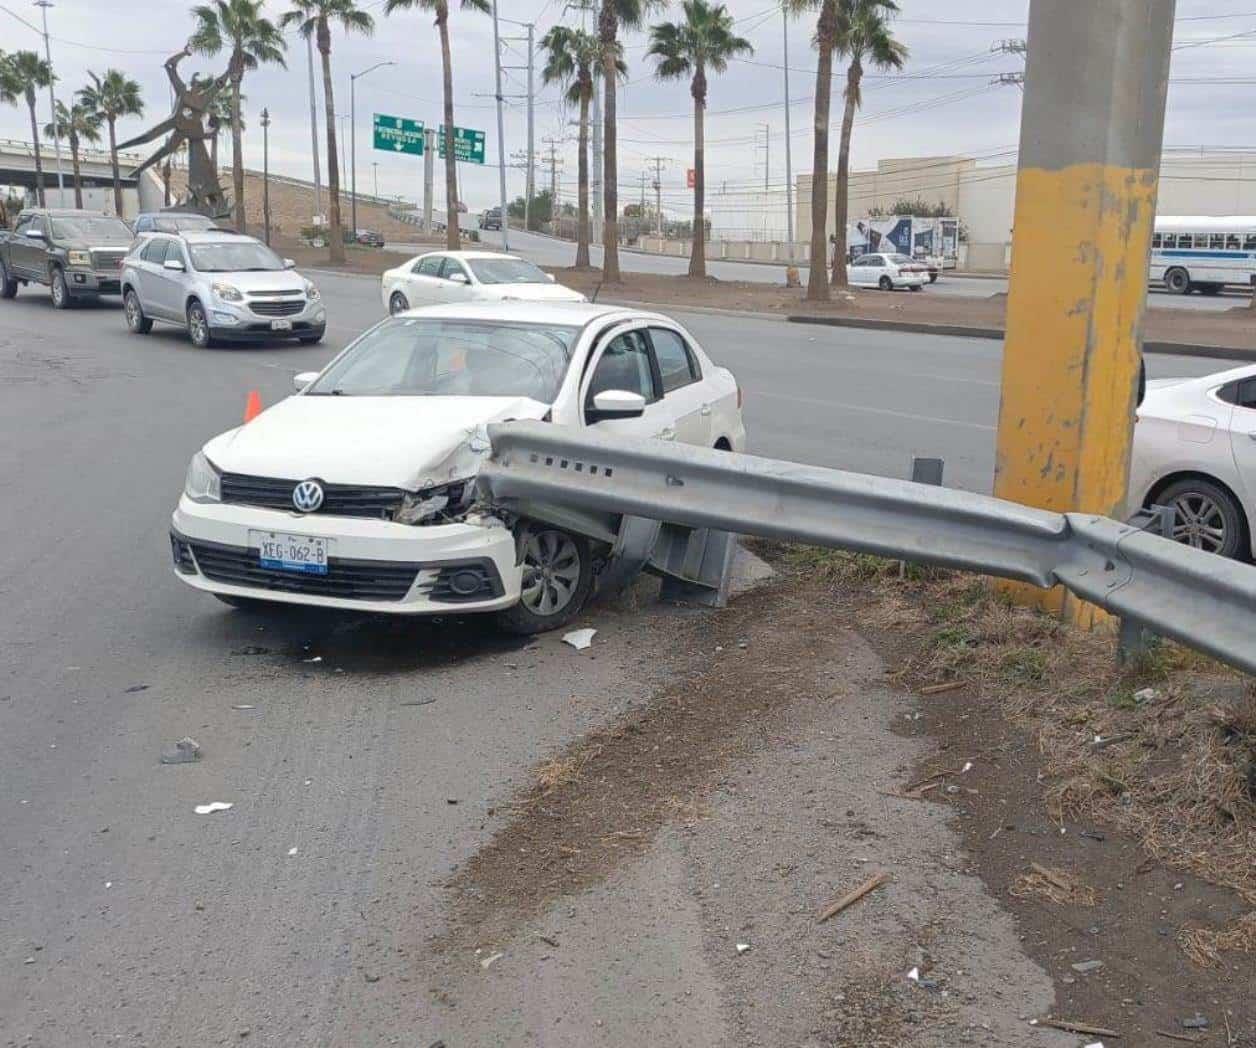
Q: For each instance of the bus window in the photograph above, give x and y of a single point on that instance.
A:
(1217, 242)
(1232, 242)
(1249, 242)
(1155, 241)
(1170, 240)
(1184, 240)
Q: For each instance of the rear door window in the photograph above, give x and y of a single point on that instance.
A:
(677, 366)
(430, 266)
(452, 266)
(155, 251)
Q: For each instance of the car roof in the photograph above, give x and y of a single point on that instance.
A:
(574, 314)
(63, 212)
(474, 254)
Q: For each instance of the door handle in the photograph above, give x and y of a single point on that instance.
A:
(706, 410)
(667, 434)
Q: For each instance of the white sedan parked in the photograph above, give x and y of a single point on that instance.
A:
(1195, 452)
(469, 276)
(359, 492)
(887, 272)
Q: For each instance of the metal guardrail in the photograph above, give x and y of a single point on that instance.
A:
(1202, 600)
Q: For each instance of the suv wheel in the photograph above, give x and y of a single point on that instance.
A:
(135, 319)
(60, 290)
(557, 579)
(8, 286)
(397, 303)
(198, 326)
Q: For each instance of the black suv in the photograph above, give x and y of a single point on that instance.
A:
(77, 254)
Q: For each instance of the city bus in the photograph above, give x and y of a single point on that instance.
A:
(1203, 254)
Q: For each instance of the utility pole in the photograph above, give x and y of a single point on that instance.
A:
(1010, 47)
(658, 162)
(266, 173)
(318, 189)
(530, 167)
(501, 131)
(1092, 129)
(595, 178)
(553, 159)
(52, 101)
(375, 166)
(644, 178)
(766, 131)
(789, 160)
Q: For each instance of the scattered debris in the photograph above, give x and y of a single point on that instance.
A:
(136, 687)
(489, 961)
(371, 977)
(968, 766)
(938, 689)
(243, 706)
(1146, 695)
(1195, 1022)
(211, 807)
(316, 658)
(742, 947)
(29, 960)
(1179, 1037)
(252, 649)
(852, 897)
(292, 851)
(1054, 885)
(1071, 1026)
(549, 940)
(579, 639)
(1204, 946)
(186, 751)
(418, 702)
(914, 975)
(451, 800)
(1085, 968)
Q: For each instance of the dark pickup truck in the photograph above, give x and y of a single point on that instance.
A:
(77, 254)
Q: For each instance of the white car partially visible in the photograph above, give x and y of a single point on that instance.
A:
(1195, 452)
(443, 277)
(887, 272)
(359, 492)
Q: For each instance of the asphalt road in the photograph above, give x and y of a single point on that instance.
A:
(126, 918)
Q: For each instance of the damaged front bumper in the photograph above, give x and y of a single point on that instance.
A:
(372, 565)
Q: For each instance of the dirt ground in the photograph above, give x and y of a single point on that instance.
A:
(660, 881)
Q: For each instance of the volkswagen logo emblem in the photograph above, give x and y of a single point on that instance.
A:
(307, 496)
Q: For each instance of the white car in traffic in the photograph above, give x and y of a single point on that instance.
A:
(887, 272)
(359, 491)
(1195, 452)
(443, 277)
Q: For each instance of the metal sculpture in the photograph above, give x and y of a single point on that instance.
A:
(187, 126)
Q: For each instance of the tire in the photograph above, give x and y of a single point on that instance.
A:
(136, 322)
(916, 287)
(933, 278)
(1206, 516)
(1211, 289)
(551, 600)
(8, 286)
(60, 290)
(1177, 282)
(886, 284)
(397, 303)
(198, 326)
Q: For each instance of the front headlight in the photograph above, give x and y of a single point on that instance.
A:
(228, 293)
(204, 482)
(79, 258)
(311, 292)
(447, 499)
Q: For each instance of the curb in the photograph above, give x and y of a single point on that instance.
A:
(1178, 349)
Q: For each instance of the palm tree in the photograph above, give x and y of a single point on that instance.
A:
(441, 10)
(240, 27)
(110, 97)
(21, 75)
(314, 17)
(77, 124)
(703, 41)
(573, 59)
(863, 35)
(614, 15)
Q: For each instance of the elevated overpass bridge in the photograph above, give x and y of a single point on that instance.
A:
(17, 170)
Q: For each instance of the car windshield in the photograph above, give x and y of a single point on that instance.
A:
(89, 227)
(505, 271)
(424, 357)
(179, 223)
(231, 256)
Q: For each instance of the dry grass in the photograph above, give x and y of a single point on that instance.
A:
(563, 771)
(1054, 885)
(1205, 946)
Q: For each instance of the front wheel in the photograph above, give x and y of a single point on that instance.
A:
(917, 287)
(1205, 516)
(198, 326)
(886, 284)
(135, 319)
(8, 286)
(933, 278)
(397, 303)
(557, 580)
(60, 290)
(1177, 282)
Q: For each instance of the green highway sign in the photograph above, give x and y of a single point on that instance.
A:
(398, 134)
(468, 144)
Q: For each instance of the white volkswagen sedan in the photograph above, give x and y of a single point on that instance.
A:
(1195, 452)
(359, 491)
(469, 276)
(887, 272)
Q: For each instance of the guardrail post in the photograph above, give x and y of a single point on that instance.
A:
(1134, 640)
(1092, 128)
(923, 471)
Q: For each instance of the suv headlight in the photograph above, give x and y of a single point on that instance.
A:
(311, 292)
(204, 482)
(420, 506)
(227, 293)
(79, 258)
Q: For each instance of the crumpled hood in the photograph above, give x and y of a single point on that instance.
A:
(395, 442)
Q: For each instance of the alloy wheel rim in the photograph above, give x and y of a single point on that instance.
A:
(1199, 522)
(198, 326)
(551, 572)
(132, 311)
(58, 289)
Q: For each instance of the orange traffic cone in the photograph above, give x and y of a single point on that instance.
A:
(252, 405)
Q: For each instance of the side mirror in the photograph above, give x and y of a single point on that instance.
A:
(289, 264)
(459, 277)
(35, 234)
(299, 382)
(174, 264)
(616, 403)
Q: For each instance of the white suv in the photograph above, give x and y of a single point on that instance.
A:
(221, 287)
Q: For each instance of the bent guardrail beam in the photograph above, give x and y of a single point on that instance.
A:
(1194, 597)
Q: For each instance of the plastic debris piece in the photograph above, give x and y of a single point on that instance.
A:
(213, 806)
(968, 766)
(292, 851)
(1146, 695)
(914, 975)
(489, 961)
(243, 706)
(136, 687)
(186, 751)
(742, 947)
(579, 639)
(316, 658)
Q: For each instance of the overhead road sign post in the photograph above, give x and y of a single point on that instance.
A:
(468, 144)
(398, 134)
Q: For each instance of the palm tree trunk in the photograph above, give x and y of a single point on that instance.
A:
(74, 163)
(336, 244)
(841, 196)
(818, 277)
(39, 164)
(697, 256)
(451, 161)
(237, 157)
(113, 164)
(608, 24)
(582, 168)
(213, 153)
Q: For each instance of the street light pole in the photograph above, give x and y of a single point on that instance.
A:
(266, 173)
(789, 160)
(353, 142)
(375, 165)
(318, 190)
(52, 101)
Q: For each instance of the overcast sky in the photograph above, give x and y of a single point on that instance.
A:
(944, 104)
